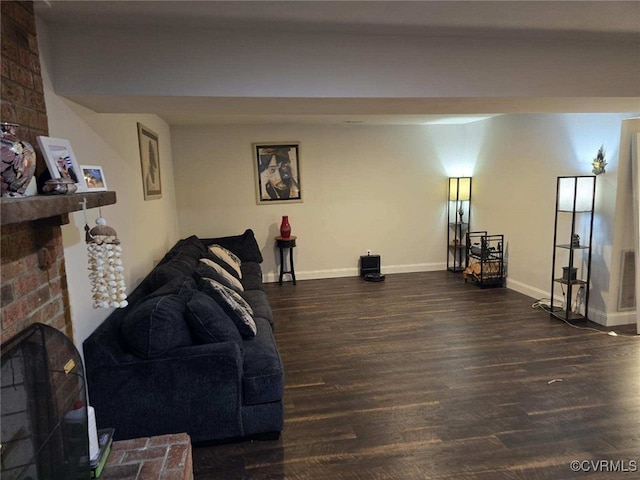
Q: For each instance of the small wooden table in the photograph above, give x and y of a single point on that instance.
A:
(283, 243)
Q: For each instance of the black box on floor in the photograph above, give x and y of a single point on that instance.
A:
(369, 264)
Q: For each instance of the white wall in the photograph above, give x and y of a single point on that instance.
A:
(384, 188)
(519, 158)
(378, 188)
(146, 229)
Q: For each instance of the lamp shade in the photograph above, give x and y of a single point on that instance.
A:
(460, 188)
(576, 193)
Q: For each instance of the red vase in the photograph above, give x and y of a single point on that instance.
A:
(285, 228)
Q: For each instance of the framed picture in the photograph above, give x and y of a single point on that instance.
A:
(61, 161)
(150, 163)
(93, 178)
(277, 172)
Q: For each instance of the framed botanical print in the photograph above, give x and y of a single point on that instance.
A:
(277, 172)
(150, 163)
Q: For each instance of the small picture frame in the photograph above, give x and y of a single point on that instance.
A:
(61, 161)
(93, 178)
(277, 172)
(149, 162)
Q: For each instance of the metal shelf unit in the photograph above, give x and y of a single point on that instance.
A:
(572, 242)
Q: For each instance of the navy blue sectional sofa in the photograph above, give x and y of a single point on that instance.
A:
(174, 361)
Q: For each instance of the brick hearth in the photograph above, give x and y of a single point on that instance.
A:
(165, 457)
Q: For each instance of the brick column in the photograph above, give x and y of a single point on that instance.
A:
(30, 293)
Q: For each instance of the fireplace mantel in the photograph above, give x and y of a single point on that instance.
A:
(37, 207)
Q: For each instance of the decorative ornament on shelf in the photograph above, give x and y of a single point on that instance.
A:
(599, 162)
(18, 162)
(285, 228)
(105, 266)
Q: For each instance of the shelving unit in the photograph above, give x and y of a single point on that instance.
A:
(486, 259)
(572, 241)
(458, 206)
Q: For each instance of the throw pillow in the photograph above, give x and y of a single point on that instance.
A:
(222, 275)
(222, 263)
(156, 325)
(233, 304)
(227, 256)
(244, 246)
(208, 321)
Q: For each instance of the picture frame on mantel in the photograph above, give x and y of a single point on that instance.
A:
(61, 161)
(93, 177)
(277, 172)
(150, 162)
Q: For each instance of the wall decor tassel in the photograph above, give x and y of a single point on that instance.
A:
(105, 266)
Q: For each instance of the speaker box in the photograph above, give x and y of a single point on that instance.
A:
(369, 264)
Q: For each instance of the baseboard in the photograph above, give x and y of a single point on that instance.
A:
(272, 277)
(528, 290)
(612, 319)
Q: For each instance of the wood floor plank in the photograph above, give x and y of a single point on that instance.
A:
(423, 376)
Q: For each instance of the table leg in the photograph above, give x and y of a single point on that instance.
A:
(281, 264)
(293, 273)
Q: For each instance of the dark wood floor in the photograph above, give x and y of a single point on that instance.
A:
(425, 377)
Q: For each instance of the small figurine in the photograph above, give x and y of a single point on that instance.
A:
(599, 162)
(575, 241)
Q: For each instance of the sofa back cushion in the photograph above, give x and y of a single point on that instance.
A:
(208, 322)
(177, 267)
(156, 325)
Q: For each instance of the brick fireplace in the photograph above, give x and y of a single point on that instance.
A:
(32, 270)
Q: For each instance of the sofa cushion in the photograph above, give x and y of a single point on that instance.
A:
(208, 322)
(191, 246)
(251, 276)
(156, 325)
(216, 272)
(244, 245)
(232, 303)
(263, 379)
(177, 267)
(181, 285)
(227, 257)
(259, 303)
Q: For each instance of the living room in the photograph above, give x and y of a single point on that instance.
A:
(373, 178)
(364, 182)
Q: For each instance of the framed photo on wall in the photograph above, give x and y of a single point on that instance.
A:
(93, 178)
(277, 172)
(150, 163)
(60, 160)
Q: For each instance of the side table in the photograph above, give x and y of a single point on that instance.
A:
(284, 243)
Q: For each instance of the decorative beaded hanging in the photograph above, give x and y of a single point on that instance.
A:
(105, 266)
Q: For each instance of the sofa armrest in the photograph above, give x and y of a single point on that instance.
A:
(196, 389)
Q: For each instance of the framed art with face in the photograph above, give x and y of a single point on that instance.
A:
(277, 172)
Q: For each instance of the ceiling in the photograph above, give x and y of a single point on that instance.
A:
(561, 19)
(450, 17)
